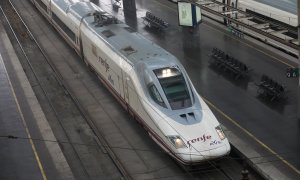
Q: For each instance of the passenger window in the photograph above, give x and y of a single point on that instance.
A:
(156, 96)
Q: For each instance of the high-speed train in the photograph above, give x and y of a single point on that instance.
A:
(267, 11)
(147, 80)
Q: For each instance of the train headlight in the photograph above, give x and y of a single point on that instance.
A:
(177, 142)
(220, 132)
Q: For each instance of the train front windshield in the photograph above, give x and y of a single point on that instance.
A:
(174, 87)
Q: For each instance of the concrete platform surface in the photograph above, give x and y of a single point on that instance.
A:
(23, 127)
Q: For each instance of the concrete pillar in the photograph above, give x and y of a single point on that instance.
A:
(129, 7)
(298, 107)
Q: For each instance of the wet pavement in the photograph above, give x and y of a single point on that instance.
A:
(272, 124)
(12, 161)
(21, 118)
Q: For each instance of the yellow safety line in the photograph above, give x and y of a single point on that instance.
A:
(25, 125)
(275, 58)
(252, 136)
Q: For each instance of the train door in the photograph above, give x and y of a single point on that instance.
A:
(129, 99)
(126, 92)
(130, 95)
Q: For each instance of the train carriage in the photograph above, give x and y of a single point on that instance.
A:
(147, 80)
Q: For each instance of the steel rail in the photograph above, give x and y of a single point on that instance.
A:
(101, 142)
(43, 90)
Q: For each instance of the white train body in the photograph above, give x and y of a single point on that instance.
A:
(269, 11)
(146, 80)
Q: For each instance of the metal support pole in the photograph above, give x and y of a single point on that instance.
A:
(298, 107)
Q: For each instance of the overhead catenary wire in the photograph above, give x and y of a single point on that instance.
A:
(196, 170)
(11, 137)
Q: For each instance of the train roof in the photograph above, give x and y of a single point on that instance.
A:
(123, 39)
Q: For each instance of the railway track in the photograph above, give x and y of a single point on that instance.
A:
(44, 76)
(49, 82)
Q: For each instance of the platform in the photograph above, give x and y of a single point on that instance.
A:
(24, 130)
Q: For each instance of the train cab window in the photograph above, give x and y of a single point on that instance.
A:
(156, 96)
(175, 87)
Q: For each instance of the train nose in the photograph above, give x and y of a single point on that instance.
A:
(193, 156)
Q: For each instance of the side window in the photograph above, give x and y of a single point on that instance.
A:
(156, 96)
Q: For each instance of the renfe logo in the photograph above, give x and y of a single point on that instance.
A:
(215, 142)
(202, 138)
